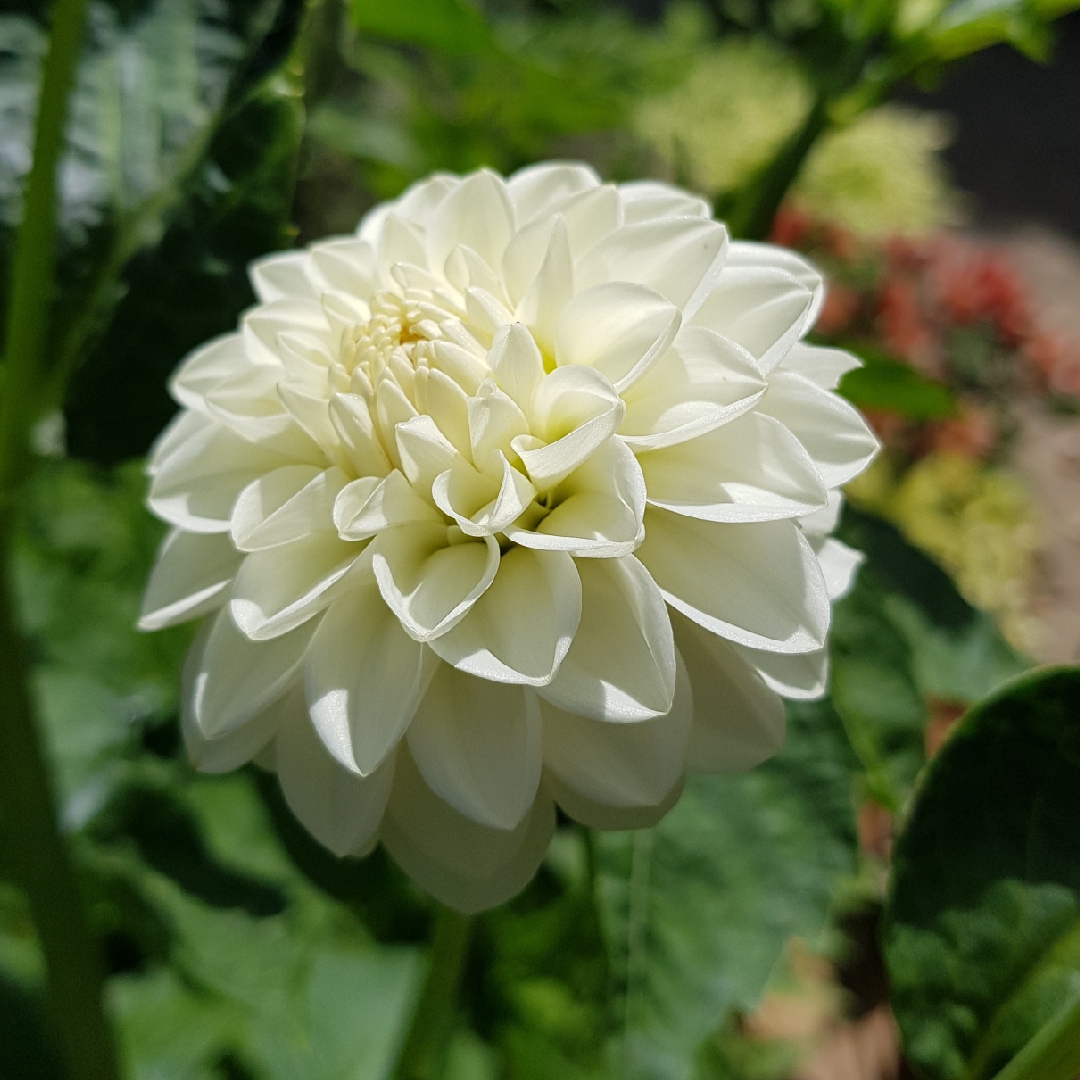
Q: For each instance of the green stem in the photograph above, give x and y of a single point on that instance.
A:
(751, 213)
(35, 247)
(35, 850)
(1054, 1051)
(424, 1054)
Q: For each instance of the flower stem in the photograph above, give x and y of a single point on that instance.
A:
(424, 1053)
(35, 850)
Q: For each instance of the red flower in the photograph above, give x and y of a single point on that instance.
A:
(789, 227)
(839, 308)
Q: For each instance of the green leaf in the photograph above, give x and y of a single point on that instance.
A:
(887, 384)
(454, 26)
(904, 635)
(982, 933)
(697, 909)
(966, 26)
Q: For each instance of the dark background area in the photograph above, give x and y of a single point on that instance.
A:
(1017, 141)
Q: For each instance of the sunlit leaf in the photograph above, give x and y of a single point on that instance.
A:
(982, 938)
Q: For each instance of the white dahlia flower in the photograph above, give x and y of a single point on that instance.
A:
(517, 498)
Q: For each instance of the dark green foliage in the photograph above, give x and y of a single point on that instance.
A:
(983, 933)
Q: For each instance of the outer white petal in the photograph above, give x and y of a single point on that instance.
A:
(597, 510)
(196, 484)
(235, 678)
(190, 576)
(839, 564)
(339, 808)
(477, 213)
(285, 505)
(757, 583)
(621, 665)
(520, 630)
(752, 469)
(478, 745)
(242, 744)
(701, 382)
(463, 865)
(596, 815)
(645, 200)
(363, 677)
(538, 189)
(822, 366)
(802, 677)
(833, 432)
(738, 720)
(671, 255)
(282, 587)
(762, 309)
(428, 580)
(620, 765)
(283, 277)
(617, 328)
(219, 359)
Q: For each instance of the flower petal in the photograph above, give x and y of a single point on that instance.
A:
(190, 576)
(757, 583)
(368, 506)
(620, 764)
(219, 359)
(701, 382)
(839, 564)
(363, 676)
(281, 587)
(339, 808)
(477, 213)
(762, 309)
(752, 469)
(197, 483)
(671, 255)
(645, 200)
(621, 665)
(517, 365)
(537, 189)
(464, 865)
(823, 367)
(617, 328)
(520, 630)
(284, 276)
(738, 720)
(596, 815)
(238, 746)
(574, 410)
(428, 580)
(477, 744)
(750, 254)
(285, 505)
(482, 505)
(235, 678)
(802, 677)
(597, 510)
(835, 435)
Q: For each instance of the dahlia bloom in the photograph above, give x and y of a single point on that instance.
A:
(518, 497)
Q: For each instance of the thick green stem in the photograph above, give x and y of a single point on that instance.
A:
(751, 214)
(424, 1054)
(34, 847)
(1053, 1053)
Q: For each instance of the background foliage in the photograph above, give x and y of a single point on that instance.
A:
(207, 132)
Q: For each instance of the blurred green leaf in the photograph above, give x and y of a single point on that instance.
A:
(966, 26)
(698, 908)
(982, 938)
(901, 636)
(898, 388)
(454, 26)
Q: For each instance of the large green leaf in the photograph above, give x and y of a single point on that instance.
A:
(698, 908)
(896, 387)
(454, 26)
(904, 635)
(982, 936)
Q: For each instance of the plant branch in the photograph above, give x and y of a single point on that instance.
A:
(36, 851)
(424, 1054)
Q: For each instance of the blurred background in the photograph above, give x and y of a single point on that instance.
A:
(938, 189)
